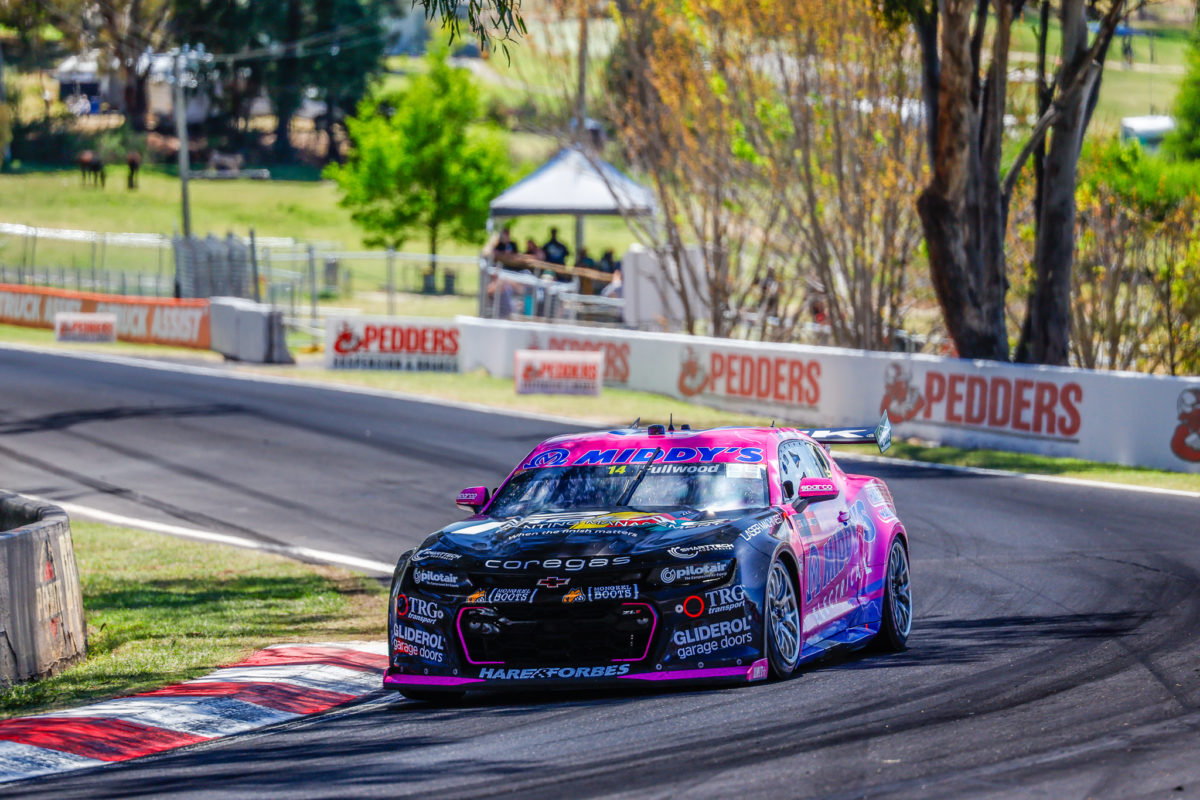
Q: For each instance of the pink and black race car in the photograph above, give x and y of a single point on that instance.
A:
(626, 556)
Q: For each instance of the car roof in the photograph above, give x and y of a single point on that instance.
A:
(727, 444)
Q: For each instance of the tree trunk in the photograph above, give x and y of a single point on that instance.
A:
(288, 97)
(958, 215)
(1046, 332)
(433, 240)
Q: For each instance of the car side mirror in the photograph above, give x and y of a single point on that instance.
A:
(473, 498)
(814, 490)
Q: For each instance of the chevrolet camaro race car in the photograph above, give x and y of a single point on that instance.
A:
(654, 555)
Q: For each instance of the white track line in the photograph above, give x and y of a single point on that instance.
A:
(201, 716)
(19, 761)
(327, 677)
(299, 553)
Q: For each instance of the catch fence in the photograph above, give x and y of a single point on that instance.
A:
(302, 278)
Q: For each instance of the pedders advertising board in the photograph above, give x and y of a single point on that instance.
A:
(410, 344)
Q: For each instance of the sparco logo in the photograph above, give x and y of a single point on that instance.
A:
(694, 550)
(710, 569)
(568, 564)
(549, 458)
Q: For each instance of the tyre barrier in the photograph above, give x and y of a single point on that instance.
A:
(42, 627)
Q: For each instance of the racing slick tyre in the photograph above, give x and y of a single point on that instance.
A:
(897, 602)
(782, 615)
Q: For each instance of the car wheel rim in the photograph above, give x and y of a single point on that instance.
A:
(900, 590)
(784, 613)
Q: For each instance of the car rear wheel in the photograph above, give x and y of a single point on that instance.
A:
(897, 601)
(782, 614)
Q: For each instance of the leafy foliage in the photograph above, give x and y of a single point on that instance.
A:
(334, 46)
(1151, 186)
(1136, 281)
(779, 135)
(488, 21)
(420, 161)
(1184, 141)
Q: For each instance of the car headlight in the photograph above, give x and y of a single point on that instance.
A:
(703, 572)
(440, 578)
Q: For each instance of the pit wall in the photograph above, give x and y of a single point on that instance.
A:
(1115, 417)
(149, 320)
(41, 606)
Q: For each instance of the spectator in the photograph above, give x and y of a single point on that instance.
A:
(584, 260)
(608, 262)
(614, 289)
(506, 244)
(499, 297)
(556, 252)
(533, 251)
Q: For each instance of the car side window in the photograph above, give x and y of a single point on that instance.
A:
(820, 461)
(791, 467)
(801, 460)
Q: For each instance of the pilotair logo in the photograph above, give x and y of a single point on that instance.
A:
(693, 378)
(1186, 441)
(901, 400)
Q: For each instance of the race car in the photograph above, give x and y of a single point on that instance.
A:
(638, 555)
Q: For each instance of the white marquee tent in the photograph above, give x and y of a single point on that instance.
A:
(570, 183)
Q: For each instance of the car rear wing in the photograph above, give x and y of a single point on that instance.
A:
(880, 435)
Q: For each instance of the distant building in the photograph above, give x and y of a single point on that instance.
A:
(1149, 131)
(83, 85)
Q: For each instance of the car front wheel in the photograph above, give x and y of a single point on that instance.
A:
(897, 601)
(782, 612)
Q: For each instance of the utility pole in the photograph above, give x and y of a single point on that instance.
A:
(182, 130)
(581, 109)
(7, 154)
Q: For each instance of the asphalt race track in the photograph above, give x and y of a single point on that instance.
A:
(1056, 650)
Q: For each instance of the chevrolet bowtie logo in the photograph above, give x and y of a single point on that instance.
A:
(553, 582)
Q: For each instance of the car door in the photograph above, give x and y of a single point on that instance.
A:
(826, 539)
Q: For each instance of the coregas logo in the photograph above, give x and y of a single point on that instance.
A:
(1186, 442)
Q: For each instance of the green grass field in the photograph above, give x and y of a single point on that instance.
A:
(162, 610)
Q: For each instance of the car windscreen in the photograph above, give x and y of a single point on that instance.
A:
(708, 487)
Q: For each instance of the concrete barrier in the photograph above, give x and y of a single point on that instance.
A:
(1117, 417)
(42, 627)
(243, 330)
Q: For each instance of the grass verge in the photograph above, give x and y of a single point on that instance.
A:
(162, 610)
(44, 337)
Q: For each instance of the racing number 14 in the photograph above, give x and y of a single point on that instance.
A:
(616, 470)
